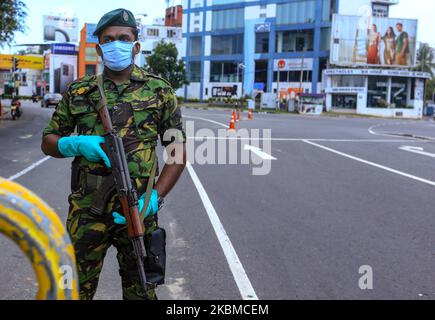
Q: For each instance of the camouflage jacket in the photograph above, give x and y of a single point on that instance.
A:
(142, 110)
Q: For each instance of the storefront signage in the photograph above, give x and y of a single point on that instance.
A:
(378, 72)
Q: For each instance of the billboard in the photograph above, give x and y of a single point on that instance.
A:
(373, 41)
(293, 64)
(63, 48)
(23, 62)
(60, 29)
(62, 71)
(90, 28)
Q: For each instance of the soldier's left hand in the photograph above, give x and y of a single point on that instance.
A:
(153, 208)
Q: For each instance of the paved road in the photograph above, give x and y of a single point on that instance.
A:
(342, 193)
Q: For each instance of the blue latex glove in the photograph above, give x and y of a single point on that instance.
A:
(153, 207)
(86, 146)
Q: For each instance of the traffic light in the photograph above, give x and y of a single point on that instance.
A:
(14, 64)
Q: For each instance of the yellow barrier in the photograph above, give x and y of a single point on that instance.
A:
(38, 231)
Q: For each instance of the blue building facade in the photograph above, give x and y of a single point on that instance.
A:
(236, 47)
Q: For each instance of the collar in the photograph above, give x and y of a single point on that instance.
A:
(138, 74)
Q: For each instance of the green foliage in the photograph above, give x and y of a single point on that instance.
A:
(164, 63)
(425, 58)
(12, 19)
(430, 89)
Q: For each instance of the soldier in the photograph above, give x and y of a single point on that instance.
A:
(142, 107)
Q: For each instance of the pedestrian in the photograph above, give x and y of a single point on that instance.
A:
(143, 107)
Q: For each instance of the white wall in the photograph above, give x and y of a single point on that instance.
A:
(352, 7)
(194, 18)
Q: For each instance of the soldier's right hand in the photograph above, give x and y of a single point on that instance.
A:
(83, 146)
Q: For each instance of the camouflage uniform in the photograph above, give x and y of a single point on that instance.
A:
(142, 110)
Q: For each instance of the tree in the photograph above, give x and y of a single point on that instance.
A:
(430, 89)
(425, 59)
(164, 63)
(12, 19)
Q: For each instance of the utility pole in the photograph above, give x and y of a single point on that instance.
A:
(301, 76)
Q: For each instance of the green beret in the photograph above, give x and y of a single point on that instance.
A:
(118, 17)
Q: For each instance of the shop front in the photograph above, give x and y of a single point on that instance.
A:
(378, 92)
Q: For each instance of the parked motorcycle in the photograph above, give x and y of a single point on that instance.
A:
(15, 108)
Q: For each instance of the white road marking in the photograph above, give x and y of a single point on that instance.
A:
(245, 287)
(373, 164)
(417, 150)
(395, 134)
(26, 136)
(259, 152)
(33, 166)
(201, 138)
(208, 120)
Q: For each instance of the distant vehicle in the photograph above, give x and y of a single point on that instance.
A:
(15, 108)
(51, 99)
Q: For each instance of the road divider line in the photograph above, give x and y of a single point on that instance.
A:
(417, 150)
(373, 164)
(31, 167)
(263, 155)
(208, 120)
(245, 287)
(201, 138)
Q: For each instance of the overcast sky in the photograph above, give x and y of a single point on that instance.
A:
(91, 11)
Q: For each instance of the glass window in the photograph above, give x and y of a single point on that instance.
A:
(325, 39)
(323, 64)
(152, 32)
(262, 42)
(295, 41)
(296, 12)
(195, 71)
(225, 71)
(228, 19)
(377, 92)
(348, 81)
(231, 44)
(90, 69)
(195, 46)
(328, 9)
(293, 76)
(399, 92)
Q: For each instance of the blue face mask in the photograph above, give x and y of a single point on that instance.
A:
(117, 55)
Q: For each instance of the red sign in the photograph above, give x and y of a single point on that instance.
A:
(281, 64)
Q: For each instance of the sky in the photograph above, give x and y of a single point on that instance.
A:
(85, 10)
(91, 11)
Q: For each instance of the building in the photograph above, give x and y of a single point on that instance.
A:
(88, 61)
(237, 44)
(371, 63)
(174, 16)
(151, 35)
(244, 47)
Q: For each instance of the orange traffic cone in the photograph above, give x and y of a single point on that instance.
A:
(250, 115)
(234, 115)
(239, 115)
(232, 123)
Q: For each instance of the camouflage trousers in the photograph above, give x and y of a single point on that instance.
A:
(93, 235)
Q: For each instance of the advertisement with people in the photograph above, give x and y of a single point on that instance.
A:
(373, 41)
(60, 29)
